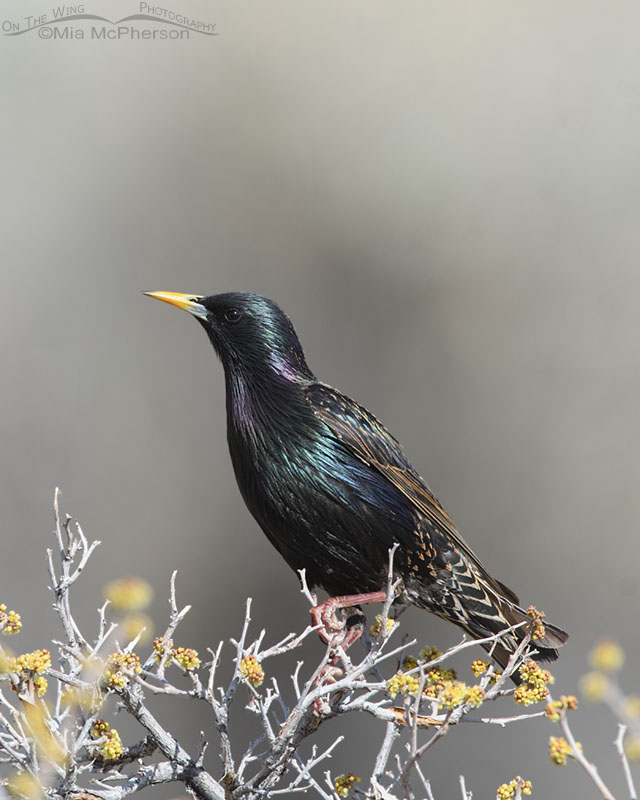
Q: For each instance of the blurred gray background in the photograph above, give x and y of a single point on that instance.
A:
(445, 198)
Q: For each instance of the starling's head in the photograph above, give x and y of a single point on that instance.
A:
(249, 332)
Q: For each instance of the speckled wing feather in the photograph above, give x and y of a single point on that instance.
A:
(458, 587)
(372, 443)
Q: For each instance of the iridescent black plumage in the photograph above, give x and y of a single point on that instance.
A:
(330, 486)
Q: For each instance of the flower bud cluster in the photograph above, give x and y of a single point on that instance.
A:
(559, 750)
(128, 594)
(537, 629)
(344, 783)
(508, 790)
(376, 628)
(555, 710)
(251, 671)
(440, 685)
(479, 667)
(186, 657)
(9, 621)
(534, 684)
(109, 743)
(607, 656)
(120, 668)
(30, 667)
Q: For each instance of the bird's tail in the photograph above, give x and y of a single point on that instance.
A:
(484, 607)
(509, 614)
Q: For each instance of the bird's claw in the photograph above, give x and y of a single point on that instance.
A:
(329, 626)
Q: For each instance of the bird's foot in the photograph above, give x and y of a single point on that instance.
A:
(332, 630)
(340, 635)
(323, 617)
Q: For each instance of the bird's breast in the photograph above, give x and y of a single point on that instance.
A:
(322, 508)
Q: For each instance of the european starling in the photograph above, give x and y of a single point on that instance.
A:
(333, 490)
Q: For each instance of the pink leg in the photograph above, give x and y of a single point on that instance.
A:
(324, 615)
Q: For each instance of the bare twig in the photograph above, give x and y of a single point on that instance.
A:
(578, 755)
(622, 729)
(66, 747)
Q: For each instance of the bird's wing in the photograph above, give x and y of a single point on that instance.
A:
(372, 443)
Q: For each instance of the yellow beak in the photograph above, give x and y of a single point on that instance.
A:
(187, 302)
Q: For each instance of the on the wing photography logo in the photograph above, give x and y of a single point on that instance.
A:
(69, 22)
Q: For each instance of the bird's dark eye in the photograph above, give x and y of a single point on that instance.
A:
(232, 314)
